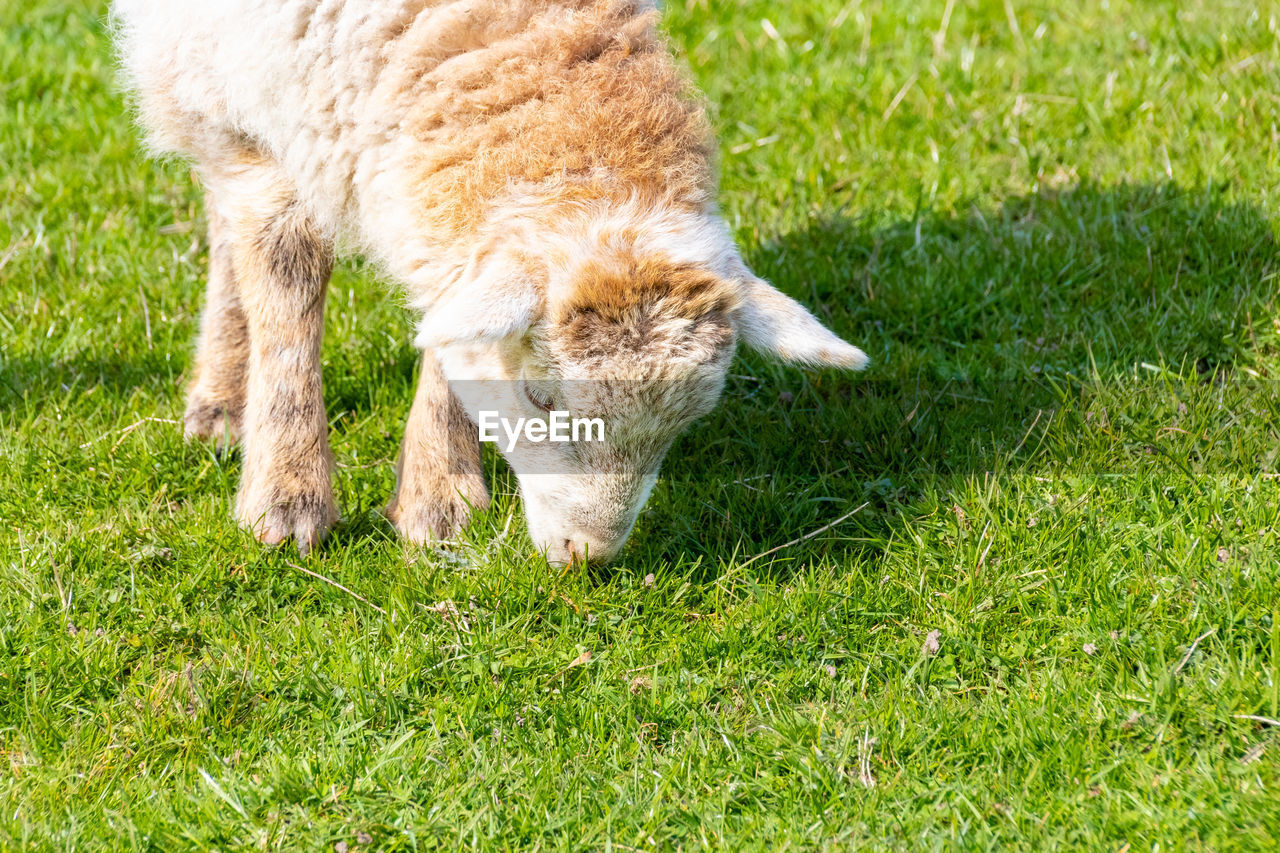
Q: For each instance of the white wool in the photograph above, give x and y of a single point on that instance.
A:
(304, 81)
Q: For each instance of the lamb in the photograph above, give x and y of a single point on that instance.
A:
(536, 175)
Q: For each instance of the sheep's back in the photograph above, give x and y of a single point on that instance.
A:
(439, 105)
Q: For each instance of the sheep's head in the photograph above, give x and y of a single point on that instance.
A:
(621, 352)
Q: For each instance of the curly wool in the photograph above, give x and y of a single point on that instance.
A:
(413, 129)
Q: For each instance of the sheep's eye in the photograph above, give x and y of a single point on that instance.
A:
(539, 398)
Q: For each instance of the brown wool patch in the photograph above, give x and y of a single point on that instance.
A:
(587, 105)
(624, 305)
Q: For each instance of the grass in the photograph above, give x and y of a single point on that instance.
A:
(1053, 226)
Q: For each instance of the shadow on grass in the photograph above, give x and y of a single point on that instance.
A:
(28, 378)
(978, 324)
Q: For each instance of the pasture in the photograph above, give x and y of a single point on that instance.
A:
(1048, 615)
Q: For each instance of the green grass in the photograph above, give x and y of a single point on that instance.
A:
(1053, 226)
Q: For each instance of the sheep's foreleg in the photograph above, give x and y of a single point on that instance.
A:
(439, 478)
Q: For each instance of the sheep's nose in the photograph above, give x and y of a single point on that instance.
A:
(580, 549)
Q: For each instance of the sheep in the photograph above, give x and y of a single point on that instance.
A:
(535, 175)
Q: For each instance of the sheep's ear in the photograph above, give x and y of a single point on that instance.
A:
(501, 302)
(773, 323)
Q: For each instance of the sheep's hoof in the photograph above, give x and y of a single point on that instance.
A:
(420, 522)
(431, 509)
(305, 519)
(217, 422)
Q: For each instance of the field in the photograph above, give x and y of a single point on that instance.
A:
(1054, 623)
